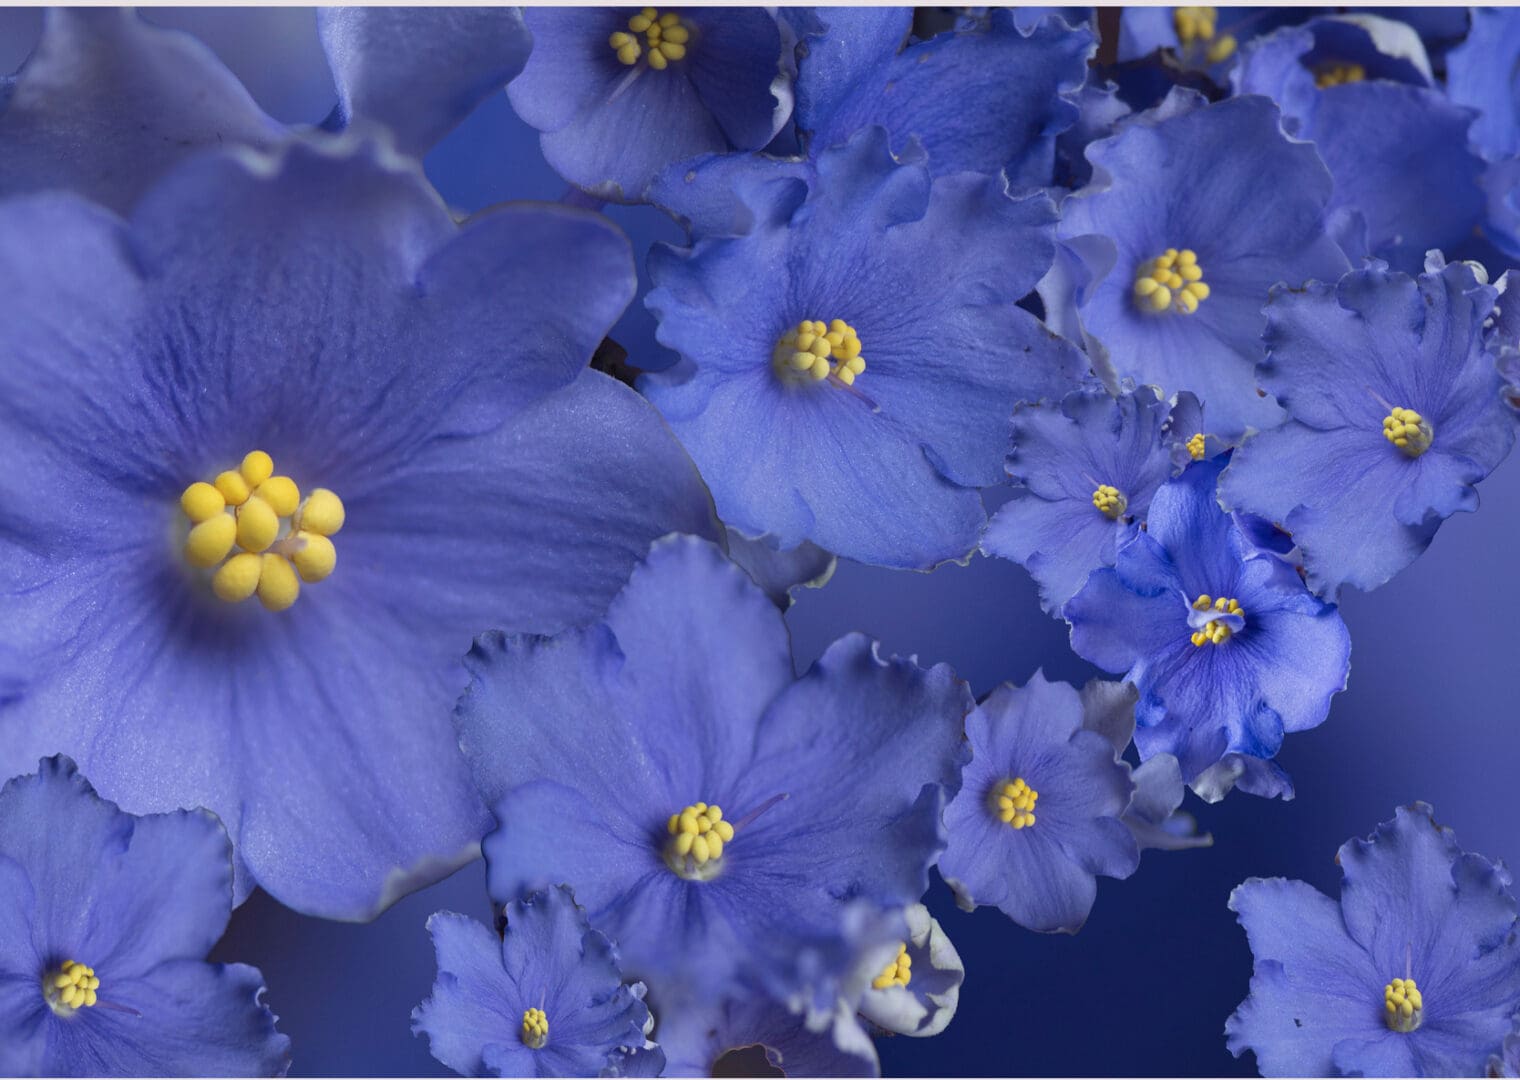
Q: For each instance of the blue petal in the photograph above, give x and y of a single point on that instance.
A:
(23, 954)
(698, 1033)
(781, 573)
(848, 44)
(472, 1000)
(1480, 75)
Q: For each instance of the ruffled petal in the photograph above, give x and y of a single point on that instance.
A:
(471, 1000)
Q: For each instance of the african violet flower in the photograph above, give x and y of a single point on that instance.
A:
(1416, 972)
(1195, 211)
(336, 334)
(851, 361)
(105, 922)
(916, 991)
(1394, 414)
(1226, 646)
(617, 94)
(1038, 814)
(1084, 474)
(545, 998)
(726, 824)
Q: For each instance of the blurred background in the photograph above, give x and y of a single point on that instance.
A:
(1144, 989)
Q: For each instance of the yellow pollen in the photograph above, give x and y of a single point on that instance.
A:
(1215, 632)
(1172, 281)
(898, 973)
(1337, 73)
(73, 986)
(257, 535)
(1403, 1008)
(1196, 29)
(665, 37)
(535, 1029)
(1013, 802)
(1195, 446)
(697, 836)
(1110, 501)
(814, 350)
(1409, 431)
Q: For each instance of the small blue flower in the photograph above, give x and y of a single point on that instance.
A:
(1038, 814)
(618, 94)
(1416, 972)
(1480, 73)
(105, 923)
(545, 998)
(850, 363)
(1226, 646)
(1394, 414)
(916, 989)
(1194, 212)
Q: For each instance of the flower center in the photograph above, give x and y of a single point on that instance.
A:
(1214, 621)
(697, 836)
(1172, 281)
(1013, 802)
(813, 351)
(898, 973)
(535, 1029)
(259, 534)
(1195, 30)
(1110, 501)
(665, 38)
(1408, 430)
(1195, 446)
(1338, 73)
(1403, 1008)
(71, 987)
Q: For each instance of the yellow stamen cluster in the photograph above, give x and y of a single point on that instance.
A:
(1403, 1008)
(814, 350)
(664, 35)
(1172, 281)
(1013, 802)
(898, 973)
(239, 525)
(1337, 73)
(697, 836)
(1215, 632)
(1196, 27)
(1195, 446)
(1409, 431)
(535, 1029)
(1110, 501)
(71, 987)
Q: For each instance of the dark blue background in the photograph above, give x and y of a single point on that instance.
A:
(1145, 988)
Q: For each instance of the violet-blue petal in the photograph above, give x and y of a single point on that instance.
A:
(781, 573)
(755, 1025)
(1480, 73)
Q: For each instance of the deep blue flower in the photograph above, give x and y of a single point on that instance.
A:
(1220, 196)
(337, 320)
(1084, 474)
(1226, 646)
(916, 990)
(620, 93)
(613, 756)
(1480, 73)
(874, 451)
(1394, 414)
(545, 998)
(1038, 814)
(1416, 972)
(105, 923)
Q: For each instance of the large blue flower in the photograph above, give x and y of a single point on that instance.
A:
(1195, 211)
(1226, 646)
(105, 923)
(545, 998)
(1394, 414)
(620, 93)
(430, 379)
(726, 825)
(869, 436)
(1416, 972)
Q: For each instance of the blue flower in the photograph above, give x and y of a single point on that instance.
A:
(105, 923)
(727, 825)
(1226, 646)
(545, 998)
(916, 990)
(1084, 475)
(1038, 814)
(1394, 414)
(870, 436)
(1416, 972)
(620, 93)
(1480, 73)
(1195, 211)
(335, 334)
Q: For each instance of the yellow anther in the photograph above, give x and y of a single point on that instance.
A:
(210, 541)
(1215, 632)
(697, 837)
(1338, 73)
(281, 493)
(665, 38)
(535, 1029)
(1172, 281)
(202, 502)
(1194, 23)
(1409, 431)
(316, 557)
(897, 973)
(322, 512)
(278, 584)
(1013, 802)
(1220, 49)
(257, 524)
(1403, 1007)
(814, 350)
(72, 986)
(1110, 501)
(256, 468)
(1196, 446)
(233, 487)
(238, 578)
